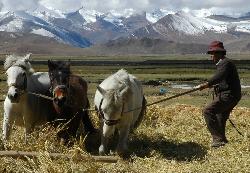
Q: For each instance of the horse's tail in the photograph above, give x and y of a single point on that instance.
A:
(142, 113)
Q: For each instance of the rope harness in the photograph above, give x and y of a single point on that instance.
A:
(106, 121)
(113, 122)
(23, 87)
(41, 95)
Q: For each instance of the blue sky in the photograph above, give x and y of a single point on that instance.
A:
(220, 6)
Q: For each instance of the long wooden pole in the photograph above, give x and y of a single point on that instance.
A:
(165, 99)
(177, 95)
(23, 154)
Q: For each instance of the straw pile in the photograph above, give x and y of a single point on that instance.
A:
(173, 138)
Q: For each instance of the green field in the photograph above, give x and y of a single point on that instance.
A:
(172, 137)
(95, 74)
(138, 58)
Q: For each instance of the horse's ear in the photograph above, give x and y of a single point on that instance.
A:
(67, 63)
(124, 90)
(101, 90)
(27, 57)
(125, 85)
(51, 64)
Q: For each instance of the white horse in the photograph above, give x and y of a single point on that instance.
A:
(115, 97)
(21, 107)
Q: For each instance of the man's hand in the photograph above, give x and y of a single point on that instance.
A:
(202, 86)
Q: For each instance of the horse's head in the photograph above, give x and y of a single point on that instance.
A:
(17, 70)
(112, 104)
(59, 73)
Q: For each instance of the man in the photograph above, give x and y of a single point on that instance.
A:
(227, 88)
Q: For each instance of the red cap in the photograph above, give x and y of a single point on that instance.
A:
(216, 46)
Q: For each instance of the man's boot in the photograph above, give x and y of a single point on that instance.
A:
(218, 142)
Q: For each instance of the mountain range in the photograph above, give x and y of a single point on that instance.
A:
(128, 31)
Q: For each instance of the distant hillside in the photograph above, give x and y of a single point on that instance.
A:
(23, 43)
(146, 46)
(36, 44)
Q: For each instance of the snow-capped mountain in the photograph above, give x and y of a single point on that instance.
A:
(39, 23)
(82, 28)
(192, 25)
(185, 26)
(157, 14)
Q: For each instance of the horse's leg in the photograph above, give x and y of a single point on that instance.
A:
(107, 132)
(8, 120)
(7, 126)
(70, 127)
(88, 125)
(74, 124)
(63, 136)
(28, 124)
(68, 130)
(28, 130)
(29, 115)
(141, 115)
(122, 146)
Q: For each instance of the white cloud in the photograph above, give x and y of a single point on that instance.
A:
(221, 6)
(234, 5)
(14, 5)
(66, 5)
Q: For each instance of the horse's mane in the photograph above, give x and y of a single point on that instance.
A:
(14, 60)
(123, 82)
(60, 65)
(122, 77)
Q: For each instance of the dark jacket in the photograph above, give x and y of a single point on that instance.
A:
(226, 78)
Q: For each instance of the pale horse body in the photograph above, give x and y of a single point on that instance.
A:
(114, 98)
(21, 107)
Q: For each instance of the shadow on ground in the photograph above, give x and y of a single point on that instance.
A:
(142, 146)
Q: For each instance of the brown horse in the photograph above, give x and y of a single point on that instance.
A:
(70, 99)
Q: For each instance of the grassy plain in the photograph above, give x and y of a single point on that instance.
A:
(172, 137)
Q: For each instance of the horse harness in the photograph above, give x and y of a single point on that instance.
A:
(62, 86)
(22, 87)
(106, 121)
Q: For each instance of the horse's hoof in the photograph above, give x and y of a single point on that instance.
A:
(94, 131)
(2, 147)
(123, 154)
(62, 141)
(101, 151)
